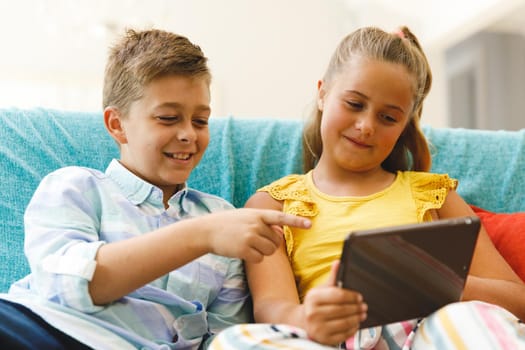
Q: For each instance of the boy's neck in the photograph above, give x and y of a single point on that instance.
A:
(167, 196)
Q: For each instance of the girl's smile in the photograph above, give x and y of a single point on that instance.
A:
(357, 142)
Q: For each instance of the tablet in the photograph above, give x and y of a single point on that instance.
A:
(409, 271)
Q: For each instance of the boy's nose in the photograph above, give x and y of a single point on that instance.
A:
(186, 135)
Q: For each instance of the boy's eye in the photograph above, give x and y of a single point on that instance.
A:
(168, 118)
(200, 122)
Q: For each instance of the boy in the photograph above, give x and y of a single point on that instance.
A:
(122, 259)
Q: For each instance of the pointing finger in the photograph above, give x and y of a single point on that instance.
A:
(274, 217)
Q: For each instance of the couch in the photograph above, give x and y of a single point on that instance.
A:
(244, 154)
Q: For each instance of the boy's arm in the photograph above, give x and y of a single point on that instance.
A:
(61, 238)
(244, 233)
(73, 266)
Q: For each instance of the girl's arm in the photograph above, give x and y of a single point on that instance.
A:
(491, 279)
(275, 297)
(329, 314)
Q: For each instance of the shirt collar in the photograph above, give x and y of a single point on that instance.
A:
(133, 187)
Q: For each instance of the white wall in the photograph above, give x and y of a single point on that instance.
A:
(266, 56)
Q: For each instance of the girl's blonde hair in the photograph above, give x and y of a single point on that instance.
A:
(411, 151)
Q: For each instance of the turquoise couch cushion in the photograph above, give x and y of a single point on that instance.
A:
(243, 155)
(490, 165)
(34, 143)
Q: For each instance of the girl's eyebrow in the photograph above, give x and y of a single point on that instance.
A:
(358, 93)
(395, 107)
(367, 98)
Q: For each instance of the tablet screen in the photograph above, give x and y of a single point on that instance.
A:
(408, 271)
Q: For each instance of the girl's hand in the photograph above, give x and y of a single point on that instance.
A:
(333, 314)
(249, 234)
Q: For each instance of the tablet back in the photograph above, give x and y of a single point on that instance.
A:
(408, 271)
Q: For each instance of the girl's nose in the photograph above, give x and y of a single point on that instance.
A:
(365, 124)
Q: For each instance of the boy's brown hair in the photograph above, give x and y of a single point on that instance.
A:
(143, 56)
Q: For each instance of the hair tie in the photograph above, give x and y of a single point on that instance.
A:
(400, 34)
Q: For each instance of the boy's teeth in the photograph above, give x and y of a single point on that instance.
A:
(182, 156)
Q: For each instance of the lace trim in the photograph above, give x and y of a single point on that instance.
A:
(297, 201)
(430, 192)
(293, 191)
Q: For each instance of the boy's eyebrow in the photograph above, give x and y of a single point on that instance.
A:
(177, 105)
(367, 98)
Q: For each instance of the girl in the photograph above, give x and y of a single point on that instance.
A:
(366, 162)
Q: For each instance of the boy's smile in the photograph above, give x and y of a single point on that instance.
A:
(165, 133)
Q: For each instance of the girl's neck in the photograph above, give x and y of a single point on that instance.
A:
(348, 183)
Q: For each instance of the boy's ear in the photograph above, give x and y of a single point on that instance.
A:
(113, 123)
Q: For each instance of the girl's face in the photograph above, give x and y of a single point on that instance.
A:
(165, 133)
(364, 111)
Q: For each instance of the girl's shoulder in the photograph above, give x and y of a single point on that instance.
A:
(293, 191)
(289, 187)
(426, 181)
(429, 191)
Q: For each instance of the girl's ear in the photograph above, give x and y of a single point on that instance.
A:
(321, 92)
(113, 123)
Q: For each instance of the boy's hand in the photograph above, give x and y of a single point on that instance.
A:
(333, 314)
(250, 234)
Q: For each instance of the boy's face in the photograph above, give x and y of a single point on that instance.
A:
(166, 132)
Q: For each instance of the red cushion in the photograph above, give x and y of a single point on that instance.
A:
(507, 232)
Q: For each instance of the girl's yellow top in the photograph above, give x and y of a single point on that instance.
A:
(312, 251)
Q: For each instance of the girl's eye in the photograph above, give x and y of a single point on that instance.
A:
(355, 105)
(389, 118)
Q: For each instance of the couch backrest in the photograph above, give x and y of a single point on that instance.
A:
(32, 144)
(490, 165)
(243, 155)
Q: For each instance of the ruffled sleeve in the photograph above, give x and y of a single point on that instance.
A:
(430, 192)
(296, 199)
(292, 190)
